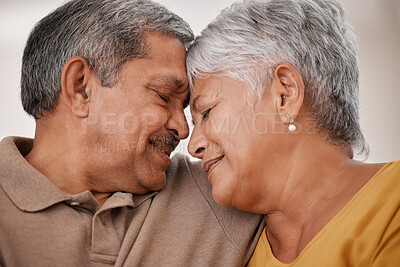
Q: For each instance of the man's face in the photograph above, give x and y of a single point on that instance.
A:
(134, 126)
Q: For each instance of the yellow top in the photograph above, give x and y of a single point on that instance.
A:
(366, 232)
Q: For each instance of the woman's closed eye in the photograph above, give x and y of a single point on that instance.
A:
(205, 115)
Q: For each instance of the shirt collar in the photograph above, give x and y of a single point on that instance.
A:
(29, 190)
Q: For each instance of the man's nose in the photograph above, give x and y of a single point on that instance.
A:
(197, 144)
(177, 125)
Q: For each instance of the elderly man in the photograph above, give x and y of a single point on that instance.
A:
(106, 83)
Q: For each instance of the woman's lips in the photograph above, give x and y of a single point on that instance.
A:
(210, 165)
(213, 166)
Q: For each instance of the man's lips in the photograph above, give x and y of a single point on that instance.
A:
(165, 143)
(166, 149)
(209, 165)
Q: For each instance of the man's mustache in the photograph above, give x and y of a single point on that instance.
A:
(166, 139)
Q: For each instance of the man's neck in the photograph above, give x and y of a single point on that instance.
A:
(59, 165)
(63, 163)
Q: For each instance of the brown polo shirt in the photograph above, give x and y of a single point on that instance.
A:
(180, 225)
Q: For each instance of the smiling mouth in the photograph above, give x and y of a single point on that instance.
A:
(164, 143)
(210, 165)
(166, 149)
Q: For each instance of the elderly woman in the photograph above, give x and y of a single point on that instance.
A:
(275, 106)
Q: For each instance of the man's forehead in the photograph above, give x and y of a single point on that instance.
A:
(162, 45)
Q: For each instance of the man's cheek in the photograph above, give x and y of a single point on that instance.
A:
(129, 123)
(153, 120)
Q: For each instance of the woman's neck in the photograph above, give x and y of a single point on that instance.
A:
(321, 180)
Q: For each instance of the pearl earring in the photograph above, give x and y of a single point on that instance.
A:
(292, 127)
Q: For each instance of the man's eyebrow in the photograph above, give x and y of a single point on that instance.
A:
(168, 80)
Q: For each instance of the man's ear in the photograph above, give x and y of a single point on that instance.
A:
(74, 85)
(287, 91)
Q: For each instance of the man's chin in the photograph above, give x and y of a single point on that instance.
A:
(154, 182)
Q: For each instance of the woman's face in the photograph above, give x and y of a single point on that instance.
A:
(237, 143)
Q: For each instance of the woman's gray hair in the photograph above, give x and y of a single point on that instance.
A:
(248, 40)
(106, 33)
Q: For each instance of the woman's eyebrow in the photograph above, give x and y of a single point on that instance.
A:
(194, 105)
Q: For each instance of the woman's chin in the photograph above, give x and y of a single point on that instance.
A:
(222, 197)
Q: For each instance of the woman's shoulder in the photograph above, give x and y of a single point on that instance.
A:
(390, 170)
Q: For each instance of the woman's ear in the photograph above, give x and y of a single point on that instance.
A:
(287, 92)
(74, 86)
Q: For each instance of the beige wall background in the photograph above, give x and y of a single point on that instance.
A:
(376, 22)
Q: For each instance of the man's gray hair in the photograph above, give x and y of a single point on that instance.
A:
(106, 33)
(251, 38)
